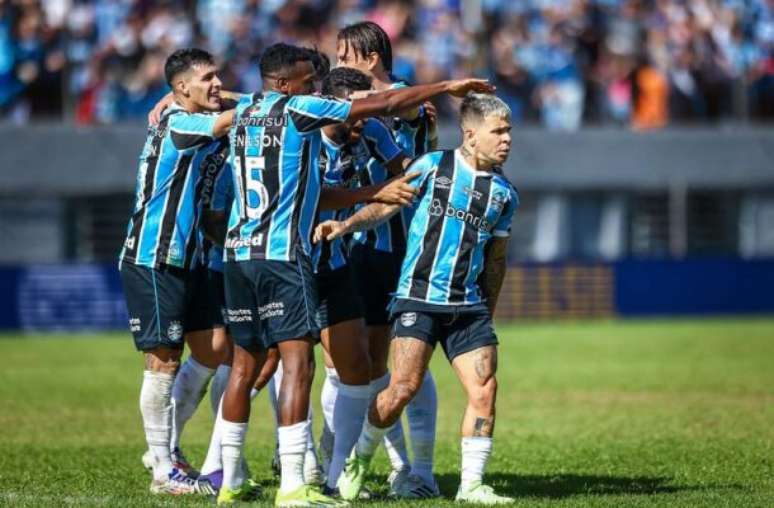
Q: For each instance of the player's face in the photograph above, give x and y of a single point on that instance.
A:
(492, 138)
(203, 86)
(346, 56)
(301, 79)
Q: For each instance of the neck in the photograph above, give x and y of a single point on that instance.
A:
(381, 80)
(474, 160)
(187, 104)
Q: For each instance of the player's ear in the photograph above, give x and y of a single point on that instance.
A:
(372, 60)
(283, 85)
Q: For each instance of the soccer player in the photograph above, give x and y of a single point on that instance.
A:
(270, 291)
(161, 245)
(348, 149)
(376, 259)
(448, 289)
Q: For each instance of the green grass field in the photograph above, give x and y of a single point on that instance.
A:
(641, 413)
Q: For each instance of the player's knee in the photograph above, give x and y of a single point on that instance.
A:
(164, 360)
(354, 370)
(484, 395)
(298, 370)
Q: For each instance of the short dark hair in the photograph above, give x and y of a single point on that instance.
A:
(367, 37)
(182, 60)
(342, 81)
(320, 61)
(281, 56)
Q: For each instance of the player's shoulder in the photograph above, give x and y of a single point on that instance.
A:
(506, 190)
(311, 102)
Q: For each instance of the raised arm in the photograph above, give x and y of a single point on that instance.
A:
(391, 102)
(493, 274)
(223, 123)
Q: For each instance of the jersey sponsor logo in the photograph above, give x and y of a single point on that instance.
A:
(270, 310)
(239, 316)
(437, 209)
(211, 166)
(129, 243)
(262, 121)
(239, 243)
(408, 319)
(175, 331)
(135, 325)
(443, 182)
(262, 140)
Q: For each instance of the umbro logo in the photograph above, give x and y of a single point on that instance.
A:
(443, 182)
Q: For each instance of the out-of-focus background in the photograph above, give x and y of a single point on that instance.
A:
(643, 149)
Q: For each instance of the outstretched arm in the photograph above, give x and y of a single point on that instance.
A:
(367, 217)
(391, 102)
(396, 191)
(491, 278)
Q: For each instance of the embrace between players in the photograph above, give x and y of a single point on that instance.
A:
(288, 217)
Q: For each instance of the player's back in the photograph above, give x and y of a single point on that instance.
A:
(458, 210)
(275, 146)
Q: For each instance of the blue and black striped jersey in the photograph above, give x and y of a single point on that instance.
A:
(161, 229)
(346, 166)
(457, 211)
(275, 147)
(413, 137)
(215, 195)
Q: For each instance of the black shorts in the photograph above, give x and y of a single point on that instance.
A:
(339, 301)
(270, 301)
(216, 291)
(376, 276)
(460, 329)
(164, 303)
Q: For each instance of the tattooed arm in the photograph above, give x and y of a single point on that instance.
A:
(367, 217)
(491, 278)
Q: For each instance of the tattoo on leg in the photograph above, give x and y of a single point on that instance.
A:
(484, 427)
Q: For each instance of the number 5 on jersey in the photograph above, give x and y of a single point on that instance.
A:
(256, 195)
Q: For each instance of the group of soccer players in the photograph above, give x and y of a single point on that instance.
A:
(316, 210)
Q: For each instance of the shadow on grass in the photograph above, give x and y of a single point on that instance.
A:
(566, 485)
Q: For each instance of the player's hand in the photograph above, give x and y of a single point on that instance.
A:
(154, 117)
(329, 230)
(431, 111)
(398, 191)
(461, 87)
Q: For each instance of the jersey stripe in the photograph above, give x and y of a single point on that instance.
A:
(431, 242)
(171, 208)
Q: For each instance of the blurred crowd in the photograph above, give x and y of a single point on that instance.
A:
(558, 63)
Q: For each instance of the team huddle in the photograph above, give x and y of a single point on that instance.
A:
(317, 210)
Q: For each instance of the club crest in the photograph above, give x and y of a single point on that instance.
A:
(408, 318)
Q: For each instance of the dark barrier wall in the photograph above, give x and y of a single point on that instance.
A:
(88, 297)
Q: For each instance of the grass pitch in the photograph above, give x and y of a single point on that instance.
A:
(645, 413)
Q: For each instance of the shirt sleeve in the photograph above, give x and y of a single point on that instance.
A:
(190, 130)
(310, 113)
(425, 166)
(378, 138)
(502, 227)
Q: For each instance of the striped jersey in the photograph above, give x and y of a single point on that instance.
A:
(457, 211)
(161, 228)
(413, 137)
(346, 166)
(275, 148)
(216, 195)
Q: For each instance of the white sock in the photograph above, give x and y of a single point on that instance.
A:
(218, 386)
(187, 392)
(330, 389)
(232, 440)
(421, 413)
(214, 461)
(348, 416)
(394, 440)
(369, 439)
(311, 464)
(156, 410)
(292, 448)
(475, 453)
